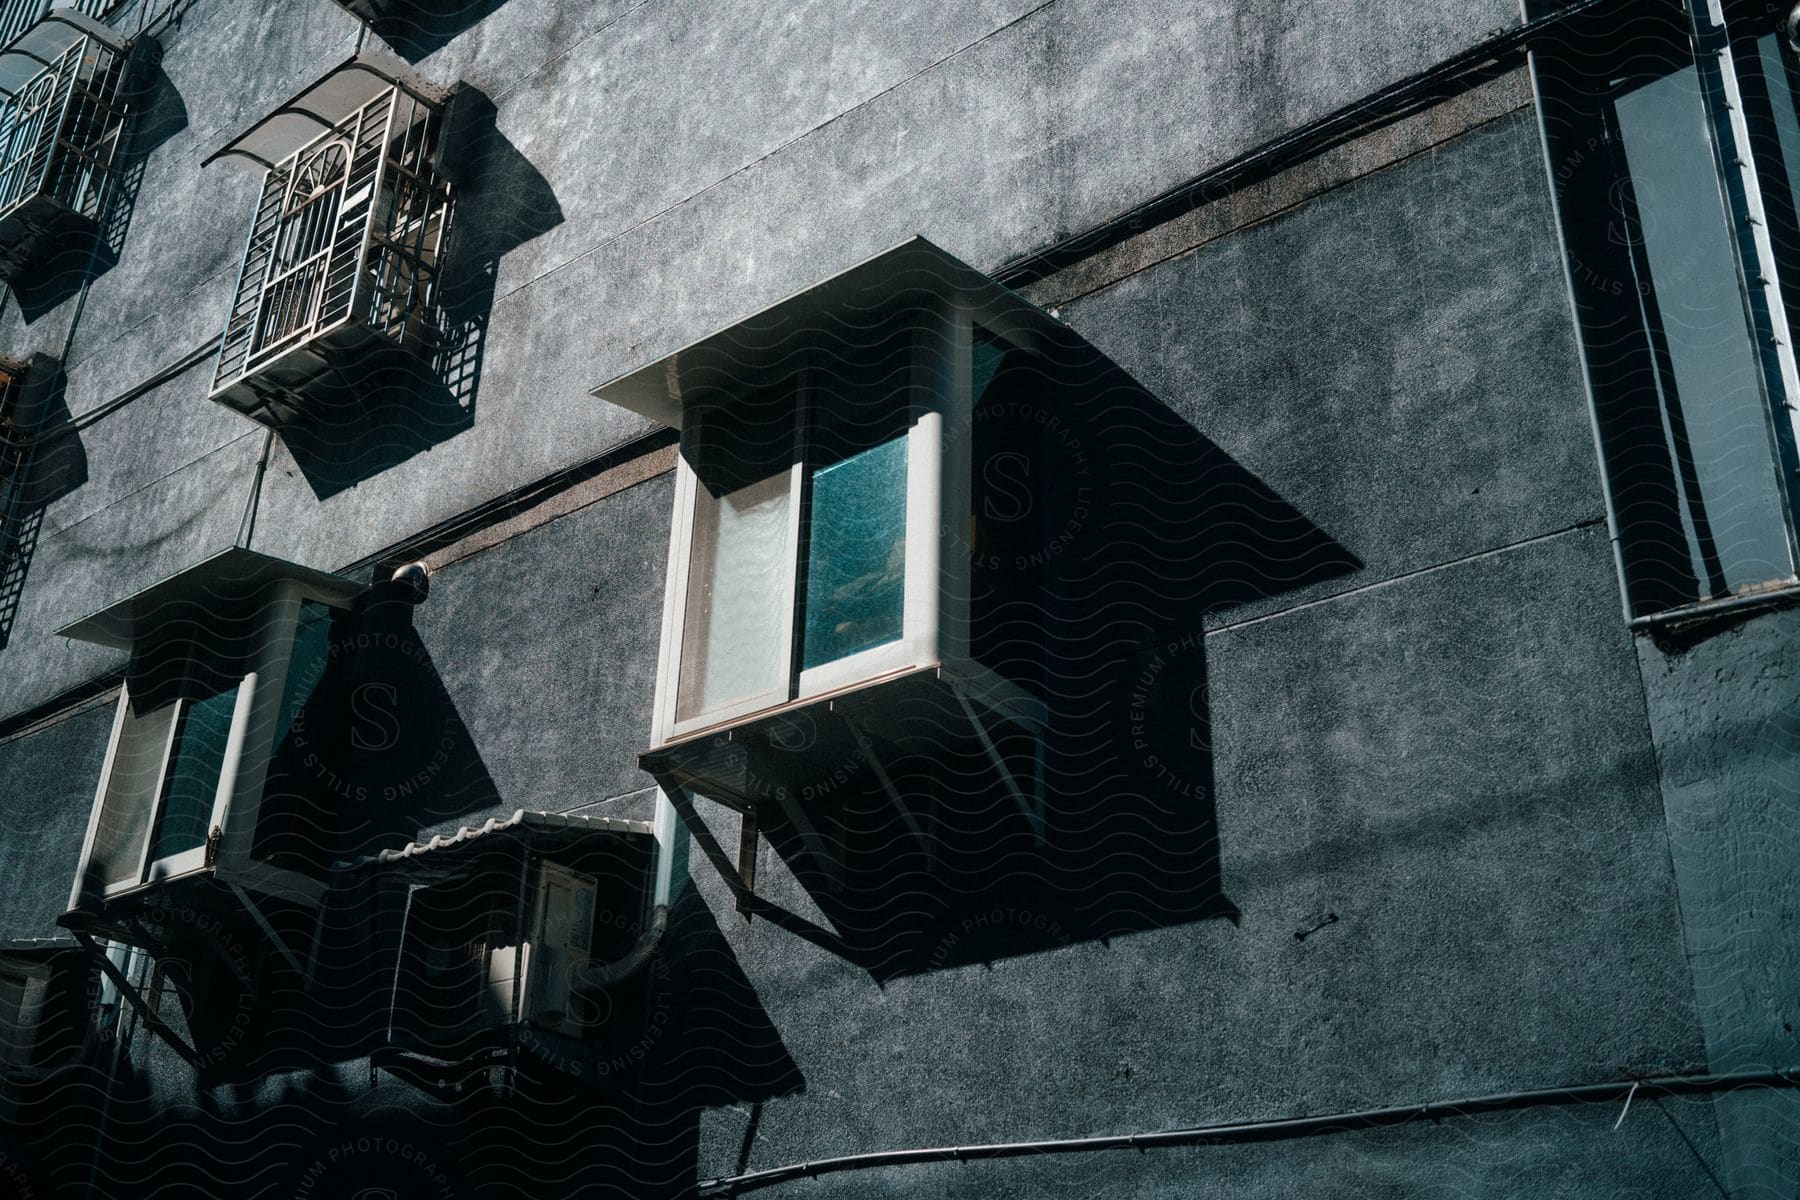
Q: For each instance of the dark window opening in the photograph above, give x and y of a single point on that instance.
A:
(1687, 375)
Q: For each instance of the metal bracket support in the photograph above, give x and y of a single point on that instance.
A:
(1031, 806)
(154, 1023)
(262, 922)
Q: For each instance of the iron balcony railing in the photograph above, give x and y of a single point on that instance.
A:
(60, 130)
(16, 16)
(348, 235)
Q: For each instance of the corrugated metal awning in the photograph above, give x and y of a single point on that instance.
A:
(32, 52)
(37, 947)
(217, 585)
(323, 104)
(543, 831)
(912, 272)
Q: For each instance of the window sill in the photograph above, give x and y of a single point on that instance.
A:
(1689, 615)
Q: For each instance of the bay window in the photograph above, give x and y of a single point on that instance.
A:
(841, 611)
(225, 656)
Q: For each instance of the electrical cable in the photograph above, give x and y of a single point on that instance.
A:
(1279, 1129)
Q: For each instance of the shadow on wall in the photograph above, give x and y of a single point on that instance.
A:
(684, 1034)
(77, 262)
(48, 464)
(1106, 531)
(417, 28)
(401, 758)
(387, 409)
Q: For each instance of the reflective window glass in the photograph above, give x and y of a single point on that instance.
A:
(856, 554)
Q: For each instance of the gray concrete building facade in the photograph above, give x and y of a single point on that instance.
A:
(1037, 597)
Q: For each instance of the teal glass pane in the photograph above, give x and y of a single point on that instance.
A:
(988, 354)
(856, 556)
(310, 656)
(194, 776)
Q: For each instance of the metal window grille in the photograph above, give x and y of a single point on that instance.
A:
(349, 230)
(15, 469)
(16, 16)
(60, 132)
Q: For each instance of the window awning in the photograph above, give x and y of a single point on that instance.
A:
(322, 105)
(543, 832)
(33, 948)
(26, 56)
(221, 583)
(914, 271)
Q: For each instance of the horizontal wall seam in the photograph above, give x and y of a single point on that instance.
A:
(1457, 74)
(536, 496)
(558, 505)
(604, 242)
(100, 692)
(527, 76)
(1368, 154)
(1410, 575)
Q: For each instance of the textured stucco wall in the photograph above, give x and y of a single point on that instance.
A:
(46, 791)
(659, 171)
(1446, 747)
(1452, 746)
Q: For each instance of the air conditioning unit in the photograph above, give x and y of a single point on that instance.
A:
(558, 943)
(22, 989)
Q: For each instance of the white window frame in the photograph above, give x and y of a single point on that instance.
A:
(1760, 277)
(243, 767)
(934, 625)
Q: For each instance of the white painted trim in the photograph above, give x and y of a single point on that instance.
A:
(93, 829)
(840, 673)
(681, 532)
(259, 703)
(146, 869)
(954, 383)
(233, 756)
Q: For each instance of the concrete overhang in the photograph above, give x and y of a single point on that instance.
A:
(222, 584)
(911, 274)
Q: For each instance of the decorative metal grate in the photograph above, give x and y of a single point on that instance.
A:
(348, 235)
(16, 532)
(60, 130)
(16, 16)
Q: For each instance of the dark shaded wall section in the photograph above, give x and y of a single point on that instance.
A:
(1725, 708)
(47, 784)
(534, 668)
(1437, 802)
